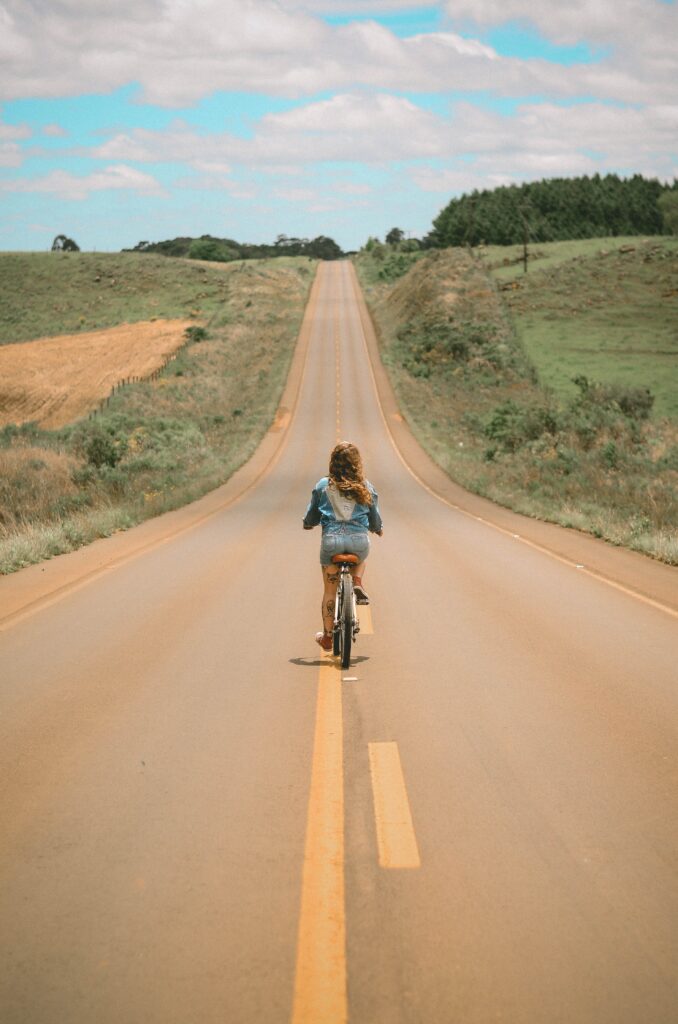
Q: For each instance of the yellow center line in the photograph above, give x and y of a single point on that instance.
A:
(320, 983)
(395, 832)
(338, 372)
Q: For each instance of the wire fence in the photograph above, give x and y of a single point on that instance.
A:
(193, 334)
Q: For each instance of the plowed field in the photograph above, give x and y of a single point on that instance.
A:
(57, 380)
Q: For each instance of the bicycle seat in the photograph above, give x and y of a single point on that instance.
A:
(345, 559)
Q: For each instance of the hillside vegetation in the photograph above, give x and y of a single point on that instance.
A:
(606, 308)
(596, 457)
(159, 442)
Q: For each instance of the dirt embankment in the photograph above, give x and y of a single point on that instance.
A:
(54, 381)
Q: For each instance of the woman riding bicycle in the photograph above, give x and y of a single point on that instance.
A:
(346, 506)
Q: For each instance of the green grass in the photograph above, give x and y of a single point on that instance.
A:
(159, 443)
(505, 261)
(44, 294)
(589, 308)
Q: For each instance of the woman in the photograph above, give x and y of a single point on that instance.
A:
(345, 505)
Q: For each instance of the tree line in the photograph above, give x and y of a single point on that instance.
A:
(223, 250)
(556, 209)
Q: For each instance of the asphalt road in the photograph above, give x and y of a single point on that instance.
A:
(205, 820)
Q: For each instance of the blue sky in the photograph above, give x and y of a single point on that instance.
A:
(253, 118)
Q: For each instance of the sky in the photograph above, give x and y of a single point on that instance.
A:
(248, 119)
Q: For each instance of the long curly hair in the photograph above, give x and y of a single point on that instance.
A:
(346, 472)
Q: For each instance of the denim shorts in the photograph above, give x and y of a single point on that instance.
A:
(344, 541)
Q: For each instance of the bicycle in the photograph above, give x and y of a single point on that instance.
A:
(346, 625)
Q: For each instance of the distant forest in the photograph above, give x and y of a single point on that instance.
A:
(222, 250)
(553, 210)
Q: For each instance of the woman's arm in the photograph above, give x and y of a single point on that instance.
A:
(374, 516)
(312, 517)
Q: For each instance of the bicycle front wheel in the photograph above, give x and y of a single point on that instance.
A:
(347, 621)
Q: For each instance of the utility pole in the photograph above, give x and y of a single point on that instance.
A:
(470, 227)
(523, 210)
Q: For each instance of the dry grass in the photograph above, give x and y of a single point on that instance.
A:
(34, 483)
(54, 381)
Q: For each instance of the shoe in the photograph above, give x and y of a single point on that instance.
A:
(325, 640)
(361, 595)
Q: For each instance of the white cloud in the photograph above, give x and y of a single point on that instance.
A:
(55, 131)
(597, 21)
(379, 129)
(14, 131)
(10, 155)
(296, 195)
(320, 200)
(70, 186)
(181, 51)
(637, 37)
(374, 129)
(349, 127)
(369, 7)
(352, 188)
(212, 167)
(545, 140)
(215, 180)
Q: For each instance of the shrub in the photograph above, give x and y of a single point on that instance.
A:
(512, 425)
(100, 444)
(610, 455)
(635, 403)
(212, 249)
(395, 266)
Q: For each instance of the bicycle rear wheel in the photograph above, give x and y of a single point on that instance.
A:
(346, 621)
(336, 629)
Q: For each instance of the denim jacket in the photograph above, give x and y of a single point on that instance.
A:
(335, 512)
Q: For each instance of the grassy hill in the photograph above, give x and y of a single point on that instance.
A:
(606, 308)
(160, 442)
(43, 294)
(474, 348)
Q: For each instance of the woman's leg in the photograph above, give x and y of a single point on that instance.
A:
(358, 570)
(357, 574)
(330, 580)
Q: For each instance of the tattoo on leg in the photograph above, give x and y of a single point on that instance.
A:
(329, 608)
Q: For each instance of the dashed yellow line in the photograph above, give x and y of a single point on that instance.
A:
(395, 831)
(337, 361)
(320, 983)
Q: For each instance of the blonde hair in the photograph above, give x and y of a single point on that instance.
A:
(346, 473)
